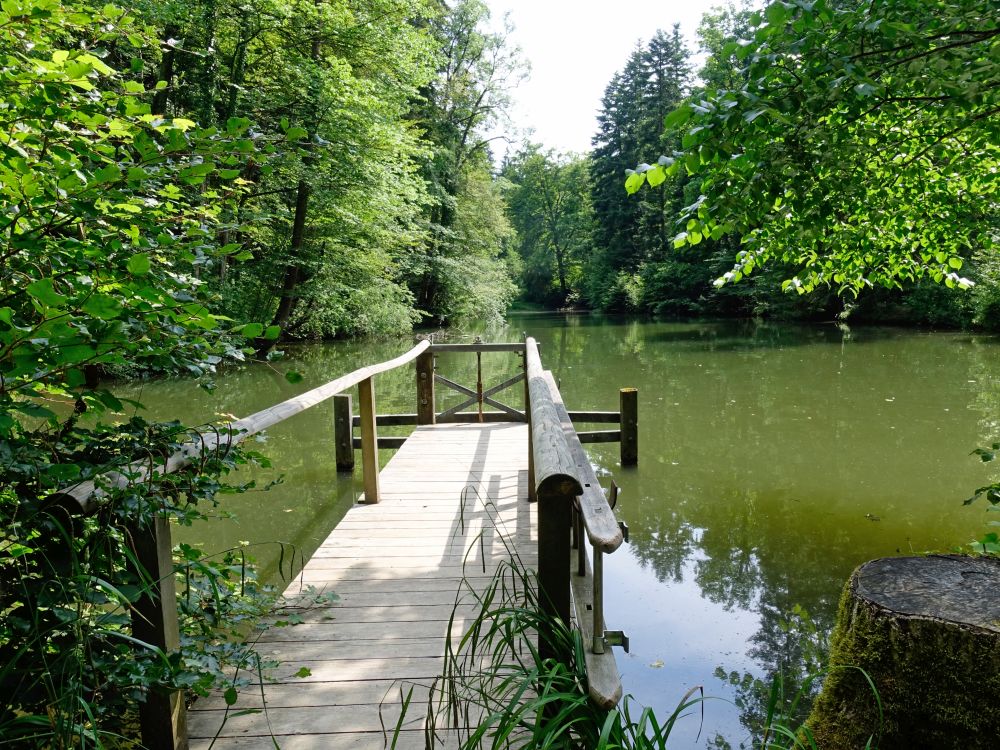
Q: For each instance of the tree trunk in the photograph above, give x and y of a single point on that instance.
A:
(927, 632)
(288, 294)
(160, 98)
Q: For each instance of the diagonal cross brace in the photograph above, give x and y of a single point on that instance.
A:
(474, 397)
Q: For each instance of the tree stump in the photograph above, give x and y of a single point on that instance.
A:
(927, 631)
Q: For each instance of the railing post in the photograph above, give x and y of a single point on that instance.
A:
(343, 431)
(554, 521)
(598, 644)
(425, 388)
(531, 447)
(628, 399)
(369, 439)
(162, 716)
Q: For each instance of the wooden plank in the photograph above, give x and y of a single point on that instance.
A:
(604, 685)
(402, 570)
(383, 443)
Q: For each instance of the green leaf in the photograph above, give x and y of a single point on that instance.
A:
(296, 134)
(230, 696)
(252, 330)
(776, 13)
(62, 472)
(43, 291)
(634, 181)
(138, 265)
(656, 176)
(678, 117)
(102, 306)
(293, 376)
(303, 672)
(272, 332)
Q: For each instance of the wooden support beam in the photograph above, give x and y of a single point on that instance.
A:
(162, 716)
(597, 417)
(398, 420)
(369, 439)
(554, 523)
(513, 347)
(343, 432)
(629, 402)
(600, 436)
(391, 442)
(425, 388)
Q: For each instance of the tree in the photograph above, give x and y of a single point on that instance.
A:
(468, 96)
(111, 215)
(334, 218)
(632, 233)
(549, 206)
(860, 146)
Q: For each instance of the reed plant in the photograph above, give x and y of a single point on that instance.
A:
(496, 691)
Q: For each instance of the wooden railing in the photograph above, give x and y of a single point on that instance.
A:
(154, 615)
(572, 510)
(572, 504)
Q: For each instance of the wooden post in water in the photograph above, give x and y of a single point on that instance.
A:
(628, 399)
(162, 716)
(343, 431)
(425, 388)
(369, 440)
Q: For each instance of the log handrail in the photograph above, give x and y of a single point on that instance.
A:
(555, 469)
(559, 455)
(86, 494)
(599, 520)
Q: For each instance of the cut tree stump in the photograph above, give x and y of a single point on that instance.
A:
(927, 631)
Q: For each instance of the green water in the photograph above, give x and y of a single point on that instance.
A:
(773, 460)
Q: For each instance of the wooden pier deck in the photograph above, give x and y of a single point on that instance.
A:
(453, 500)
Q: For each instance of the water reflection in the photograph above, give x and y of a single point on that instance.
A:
(773, 460)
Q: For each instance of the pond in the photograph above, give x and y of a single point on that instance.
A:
(773, 460)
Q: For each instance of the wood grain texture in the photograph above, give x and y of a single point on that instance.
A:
(555, 470)
(598, 518)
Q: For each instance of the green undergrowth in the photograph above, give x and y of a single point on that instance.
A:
(72, 671)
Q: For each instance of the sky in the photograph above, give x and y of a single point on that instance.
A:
(574, 48)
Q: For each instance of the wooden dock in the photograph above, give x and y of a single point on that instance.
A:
(453, 500)
(466, 491)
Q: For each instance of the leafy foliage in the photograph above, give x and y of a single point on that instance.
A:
(859, 145)
(549, 206)
(111, 215)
